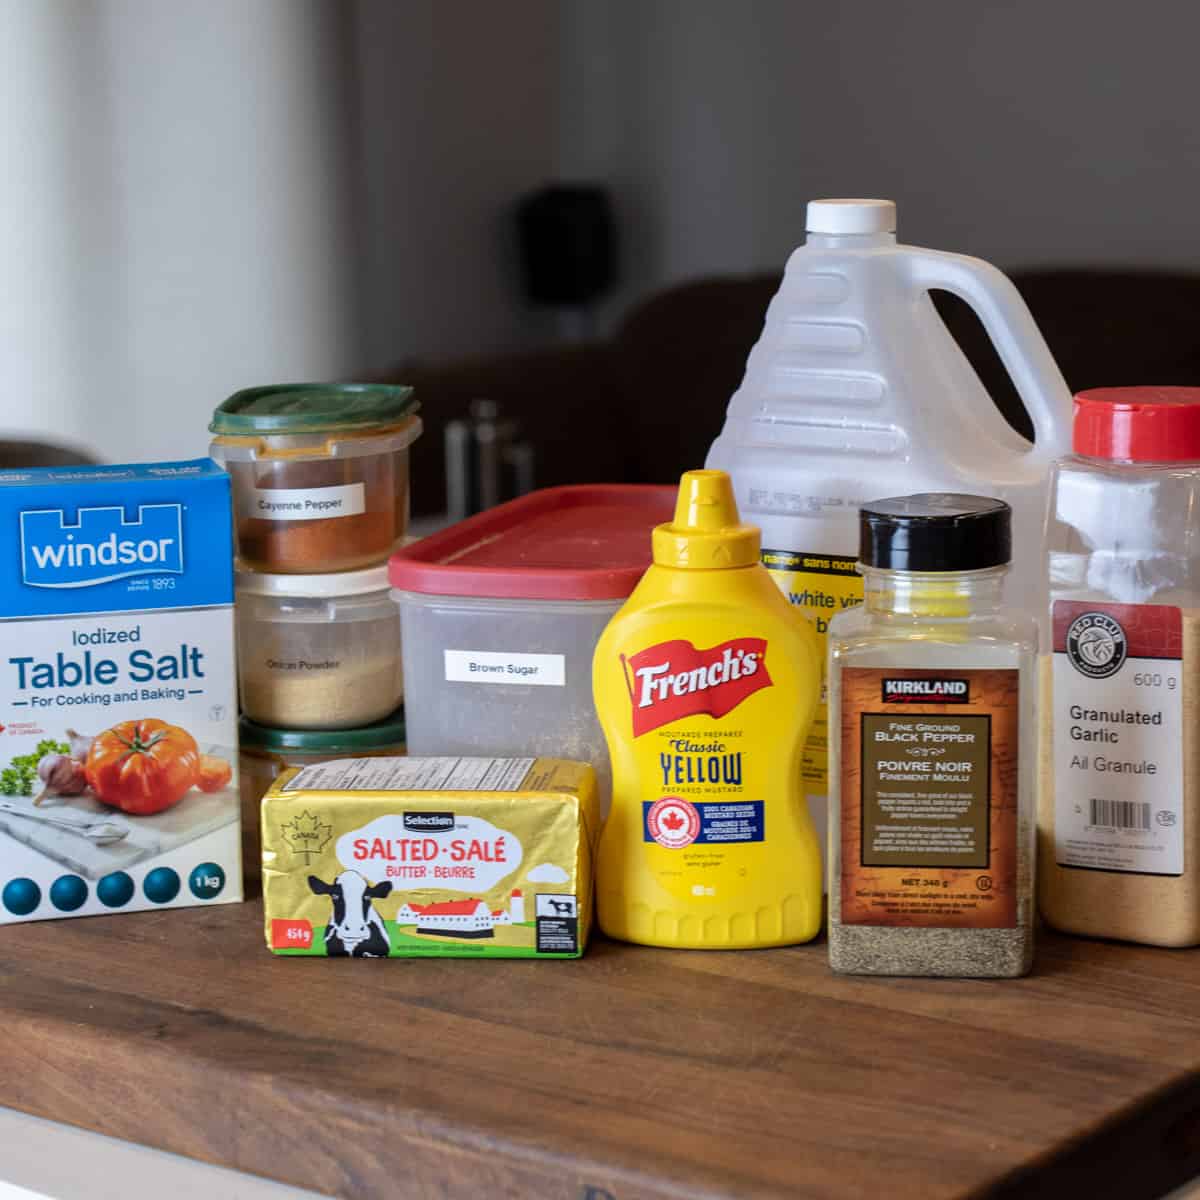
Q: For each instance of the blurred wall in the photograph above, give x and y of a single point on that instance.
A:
(1024, 132)
(456, 117)
(202, 197)
(174, 221)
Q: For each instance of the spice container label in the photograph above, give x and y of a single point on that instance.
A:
(118, 735)
(929, 788)
(497, 666)
(310, 504)
(820, 586)
(1117, 709)
(430, 857)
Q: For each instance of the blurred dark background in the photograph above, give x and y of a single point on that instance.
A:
(206, 197)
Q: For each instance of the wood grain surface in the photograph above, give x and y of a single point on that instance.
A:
(631, 1073)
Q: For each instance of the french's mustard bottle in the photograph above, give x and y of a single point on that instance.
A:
(706, 682)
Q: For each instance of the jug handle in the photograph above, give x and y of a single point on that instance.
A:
(1017, 339)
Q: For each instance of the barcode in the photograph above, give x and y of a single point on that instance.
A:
(1121, 814)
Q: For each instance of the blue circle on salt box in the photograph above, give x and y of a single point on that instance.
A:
(21, 896)
(161, 885)
(206, 881)
(115, 890)
(68, 893)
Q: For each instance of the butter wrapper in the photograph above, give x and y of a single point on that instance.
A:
(430, 857)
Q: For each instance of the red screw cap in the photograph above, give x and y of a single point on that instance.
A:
(1138, 424)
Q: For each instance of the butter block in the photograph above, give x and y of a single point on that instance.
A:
(430, 857)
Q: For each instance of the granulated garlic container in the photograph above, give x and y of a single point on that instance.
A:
(1119, 822)
(318, 651)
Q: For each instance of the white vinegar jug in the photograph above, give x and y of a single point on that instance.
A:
(856, 391)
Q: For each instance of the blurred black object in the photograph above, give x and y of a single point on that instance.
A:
(485, 464)
(568, 245)
(16, 456)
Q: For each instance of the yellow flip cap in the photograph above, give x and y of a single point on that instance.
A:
(707, 533)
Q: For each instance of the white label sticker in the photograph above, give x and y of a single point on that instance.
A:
(309, 504)
(1118, 735)
(414, 775)
(490, 666)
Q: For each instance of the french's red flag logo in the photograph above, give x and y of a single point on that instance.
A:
(674, 680)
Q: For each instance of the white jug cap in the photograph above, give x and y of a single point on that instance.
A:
(851, 216)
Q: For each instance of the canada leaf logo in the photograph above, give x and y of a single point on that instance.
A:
(305, 834)
(672, 822)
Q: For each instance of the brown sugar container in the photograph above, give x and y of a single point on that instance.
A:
(319, 473)
(1119, 806)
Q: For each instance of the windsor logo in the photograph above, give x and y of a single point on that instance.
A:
(100, 545)
(674, 680)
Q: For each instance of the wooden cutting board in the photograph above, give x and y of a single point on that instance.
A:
(630, 1074)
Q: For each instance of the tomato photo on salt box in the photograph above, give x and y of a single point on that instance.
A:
(142, 766)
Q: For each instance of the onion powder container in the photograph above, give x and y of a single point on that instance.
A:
(317, 651)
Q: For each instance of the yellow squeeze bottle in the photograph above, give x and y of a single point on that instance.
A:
(706, 682)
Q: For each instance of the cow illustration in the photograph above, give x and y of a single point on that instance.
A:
(356, 930)
(562, 908)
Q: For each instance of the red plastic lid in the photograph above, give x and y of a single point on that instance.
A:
(1138, 424)
(585, 542)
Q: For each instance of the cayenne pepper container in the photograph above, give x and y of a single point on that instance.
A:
(1120, 800)
(931, 684)
(319, 473)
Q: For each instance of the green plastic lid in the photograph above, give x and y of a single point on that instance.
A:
(381, 736)
(312, 408)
